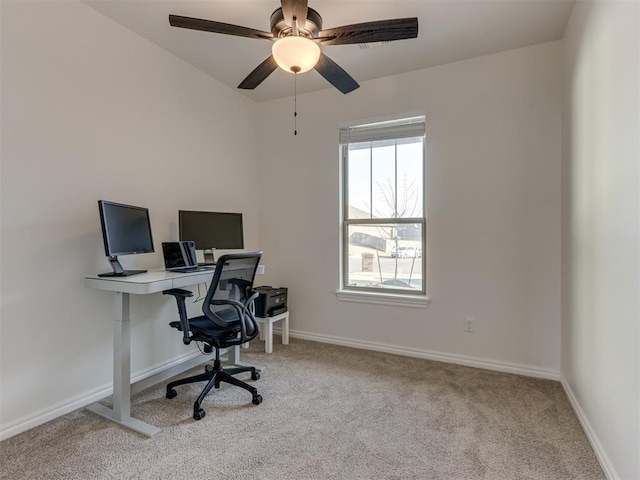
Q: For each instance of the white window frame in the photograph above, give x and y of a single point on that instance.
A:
(406, 126)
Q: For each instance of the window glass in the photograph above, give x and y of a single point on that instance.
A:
(385, 257)
(383, 179)
(359, 189)
(410, 179)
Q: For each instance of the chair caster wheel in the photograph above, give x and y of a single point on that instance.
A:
(257, 399)
(172, 393)
(198, 414)
(255, 375)
(208, 368)
(216, 385)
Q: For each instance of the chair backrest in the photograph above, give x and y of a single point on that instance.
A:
(232, 281)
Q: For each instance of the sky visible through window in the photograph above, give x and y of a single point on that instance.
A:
(372, 178)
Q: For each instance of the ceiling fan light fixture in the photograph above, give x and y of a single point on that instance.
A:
(295, 54)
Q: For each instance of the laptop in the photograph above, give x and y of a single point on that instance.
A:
(181, 257)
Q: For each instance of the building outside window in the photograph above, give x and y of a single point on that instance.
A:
(384, 207)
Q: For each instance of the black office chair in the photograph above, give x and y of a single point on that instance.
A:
(227, 321)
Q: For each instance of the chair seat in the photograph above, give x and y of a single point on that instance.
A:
(204, 330)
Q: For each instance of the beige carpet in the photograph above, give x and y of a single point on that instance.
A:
(329, 412)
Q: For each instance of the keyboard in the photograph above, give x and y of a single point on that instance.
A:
(191, 269)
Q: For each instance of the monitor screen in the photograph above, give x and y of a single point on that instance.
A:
(210, 230)
(126, 229)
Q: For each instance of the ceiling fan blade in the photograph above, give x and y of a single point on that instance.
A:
(335, 75)
(369, 32)
(259, 74)
(217, 27)
(294, 8)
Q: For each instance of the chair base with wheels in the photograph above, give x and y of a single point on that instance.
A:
(214, 375)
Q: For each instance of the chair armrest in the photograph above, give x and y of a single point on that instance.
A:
(178, 292)
(251, 304)
(243, 311)
(255, 294)
(181, 295)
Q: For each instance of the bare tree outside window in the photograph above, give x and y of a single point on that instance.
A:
(401, 202)
(408, 202)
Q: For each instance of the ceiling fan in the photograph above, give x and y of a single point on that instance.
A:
(296, 33)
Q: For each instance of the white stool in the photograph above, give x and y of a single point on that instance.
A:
(268, 335)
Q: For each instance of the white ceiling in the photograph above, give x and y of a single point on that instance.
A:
(449, 30)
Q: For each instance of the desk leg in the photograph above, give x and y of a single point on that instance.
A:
(285, 329)
(121, 411)
(234, 355)
(233, 358)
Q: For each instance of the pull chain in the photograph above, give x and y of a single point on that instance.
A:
(295, 103)
(295, 69)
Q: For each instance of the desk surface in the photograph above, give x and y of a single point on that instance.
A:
(155, 280)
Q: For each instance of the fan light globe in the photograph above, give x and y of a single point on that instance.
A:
(295, 54)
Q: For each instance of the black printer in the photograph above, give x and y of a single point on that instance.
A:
(272, 301)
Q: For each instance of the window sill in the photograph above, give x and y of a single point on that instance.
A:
(393, 300)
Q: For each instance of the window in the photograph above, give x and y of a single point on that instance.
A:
(383, 207)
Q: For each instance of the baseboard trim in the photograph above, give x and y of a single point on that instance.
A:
(515, 368)
(139, 382)
(608, 468)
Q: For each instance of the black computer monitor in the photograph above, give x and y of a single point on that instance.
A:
(211, 230)
(126, 230)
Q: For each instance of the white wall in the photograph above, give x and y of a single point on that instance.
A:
(91, 111)
(493, 189)
(601, 228)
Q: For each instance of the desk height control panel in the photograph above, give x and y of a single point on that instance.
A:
(271, 302)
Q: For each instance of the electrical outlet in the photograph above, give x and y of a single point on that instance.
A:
(469, 325)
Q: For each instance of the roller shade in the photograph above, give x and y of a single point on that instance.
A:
(396, 129)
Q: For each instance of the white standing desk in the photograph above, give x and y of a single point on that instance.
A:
(153, 281)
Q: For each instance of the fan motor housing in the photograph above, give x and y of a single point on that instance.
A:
(310, 29)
